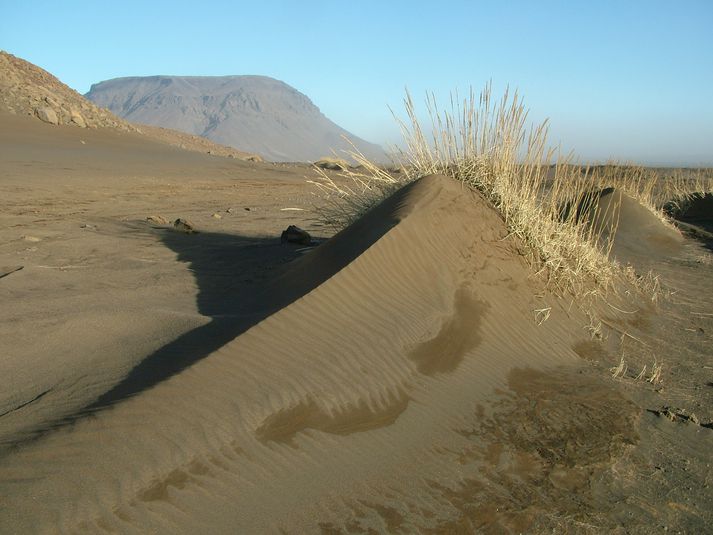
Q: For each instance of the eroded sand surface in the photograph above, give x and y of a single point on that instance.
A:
(397, 378)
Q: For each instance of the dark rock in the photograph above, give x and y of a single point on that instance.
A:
(333, 164)
(183, 225)
(295, 234)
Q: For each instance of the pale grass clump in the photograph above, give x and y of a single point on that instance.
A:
(549, 203)
(486, 145)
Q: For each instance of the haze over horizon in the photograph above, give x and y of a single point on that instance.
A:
(628, 82)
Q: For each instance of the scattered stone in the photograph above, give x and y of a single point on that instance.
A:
(33, 239)
(679, 415)
(247, 209)
(184, 225)
(333, 164)
(217, 216)
(294, 234)
(77, 119)
(157, 220)
(48, 115)
(229, 211)
(88, 226)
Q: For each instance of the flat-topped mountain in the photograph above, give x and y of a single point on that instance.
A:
(255, 113)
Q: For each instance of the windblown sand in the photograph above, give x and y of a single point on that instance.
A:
(409, 374)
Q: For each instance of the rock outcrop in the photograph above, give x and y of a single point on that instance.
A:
(26, 89)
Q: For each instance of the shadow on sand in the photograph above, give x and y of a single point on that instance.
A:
(241, 281)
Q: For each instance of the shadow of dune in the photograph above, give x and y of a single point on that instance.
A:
(694, 216)
(241, 281)
(232, 273)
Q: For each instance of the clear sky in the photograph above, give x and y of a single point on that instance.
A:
(626, 79)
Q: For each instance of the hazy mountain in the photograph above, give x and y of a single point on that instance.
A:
(26, 89)
(254, 113)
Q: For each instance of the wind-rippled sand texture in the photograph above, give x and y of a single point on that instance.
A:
(398, 383)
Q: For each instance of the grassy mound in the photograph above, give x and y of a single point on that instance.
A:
(487, 145)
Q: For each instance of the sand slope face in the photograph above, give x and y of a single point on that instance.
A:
(635, 231)
(366, 403)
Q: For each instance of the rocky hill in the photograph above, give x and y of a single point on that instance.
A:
(254, 113)
(26, 89)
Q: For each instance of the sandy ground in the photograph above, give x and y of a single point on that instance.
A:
(395, 379)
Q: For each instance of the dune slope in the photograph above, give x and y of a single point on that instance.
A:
(366, 402)
(635, 232)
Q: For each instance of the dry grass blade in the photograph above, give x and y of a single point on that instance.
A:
(620, 370)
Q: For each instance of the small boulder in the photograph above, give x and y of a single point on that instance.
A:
(77, 119)
(216, 215)
(332, 164)
(294, 234)
(157, 220)
(48, 115)
(183, 225)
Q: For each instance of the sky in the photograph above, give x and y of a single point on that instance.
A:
(630, 80)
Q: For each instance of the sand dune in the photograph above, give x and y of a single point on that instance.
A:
(398, 378)
(353, 394)
(635, 232)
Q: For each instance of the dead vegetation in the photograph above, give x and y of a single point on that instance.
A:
(487, 145)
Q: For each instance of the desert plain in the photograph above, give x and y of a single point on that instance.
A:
(407, 374)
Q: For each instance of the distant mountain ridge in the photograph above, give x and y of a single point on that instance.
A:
(255, 113)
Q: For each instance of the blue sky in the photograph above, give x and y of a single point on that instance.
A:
(631, 80)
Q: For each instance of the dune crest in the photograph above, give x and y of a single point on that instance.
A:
(353, 397)
(635, 231)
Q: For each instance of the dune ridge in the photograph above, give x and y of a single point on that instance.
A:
(357, 392)
(633, 229)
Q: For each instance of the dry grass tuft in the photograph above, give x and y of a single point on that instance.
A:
(545, 200)
(485, 144)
